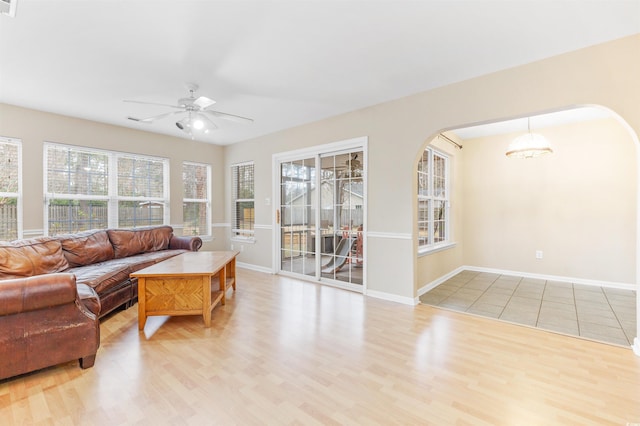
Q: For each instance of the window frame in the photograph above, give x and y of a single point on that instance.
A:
(206, 201)
(112, 198)
(429, 197)
(18, 194)
(241, 234)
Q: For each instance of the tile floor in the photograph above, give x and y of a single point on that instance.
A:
(598, 313)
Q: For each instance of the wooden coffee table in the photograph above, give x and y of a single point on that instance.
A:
(191, 283)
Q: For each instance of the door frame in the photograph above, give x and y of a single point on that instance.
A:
(359, 143)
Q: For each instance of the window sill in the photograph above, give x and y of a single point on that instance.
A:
(436, 248)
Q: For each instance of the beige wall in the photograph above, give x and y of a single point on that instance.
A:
(35, 127)
(397, 132)
(577, 205)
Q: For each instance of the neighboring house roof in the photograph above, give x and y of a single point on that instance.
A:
(356, 189)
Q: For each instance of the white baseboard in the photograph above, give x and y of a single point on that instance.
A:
(393, 297)
(254, 267)
(636, 346)
(608, 284)
(433, 284)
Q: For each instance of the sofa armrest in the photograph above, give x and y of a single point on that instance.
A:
(37, 292)
(89, 300)
(185, 243)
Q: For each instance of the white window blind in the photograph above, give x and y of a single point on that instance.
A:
(95, 189)
(77, 189)
(242, 178)
(141, 191)
(196, 204)
(10, 189)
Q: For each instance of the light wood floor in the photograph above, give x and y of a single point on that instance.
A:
(284, 352)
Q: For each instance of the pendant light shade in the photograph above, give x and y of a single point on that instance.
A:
(529, 145)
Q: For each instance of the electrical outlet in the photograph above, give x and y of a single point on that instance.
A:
(538, 254)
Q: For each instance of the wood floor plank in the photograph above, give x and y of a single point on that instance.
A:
(282, 351)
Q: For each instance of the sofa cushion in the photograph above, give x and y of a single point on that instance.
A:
(102, 277)
(25, 258)
(87, 247)
(128, 242)
(143, 260)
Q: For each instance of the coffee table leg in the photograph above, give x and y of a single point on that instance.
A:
(232, 272)
(206, 300)
(223, 284)
(142, 315)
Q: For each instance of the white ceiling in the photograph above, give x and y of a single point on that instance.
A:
(282, 63)
(535, 122)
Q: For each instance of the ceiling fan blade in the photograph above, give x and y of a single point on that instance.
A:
(230, 117)
(152, 103)
(154, 117)
(204, 102)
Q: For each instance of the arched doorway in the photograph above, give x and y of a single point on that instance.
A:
(570, 217)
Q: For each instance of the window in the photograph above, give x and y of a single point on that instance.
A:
(10, 189)
(243, 201)
(196, 205)
(141, 190)
(433, 200)
(94, 189)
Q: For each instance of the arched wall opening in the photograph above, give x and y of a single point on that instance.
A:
(578, 207)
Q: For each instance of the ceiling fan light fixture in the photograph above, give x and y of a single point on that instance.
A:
(184, 125)
(197, 123)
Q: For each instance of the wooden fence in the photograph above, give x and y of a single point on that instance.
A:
(63, 219)
(8, 222)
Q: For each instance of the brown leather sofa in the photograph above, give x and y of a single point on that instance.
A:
(54, 290)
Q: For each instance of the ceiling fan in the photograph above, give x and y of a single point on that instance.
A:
(196, 110)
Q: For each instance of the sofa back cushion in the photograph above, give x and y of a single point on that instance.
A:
(25, 258)
(85, 248)
(129, 242)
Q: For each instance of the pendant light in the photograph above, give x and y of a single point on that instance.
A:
(529, 145)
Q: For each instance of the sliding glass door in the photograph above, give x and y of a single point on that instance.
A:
(297, 216)
(322, 217)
